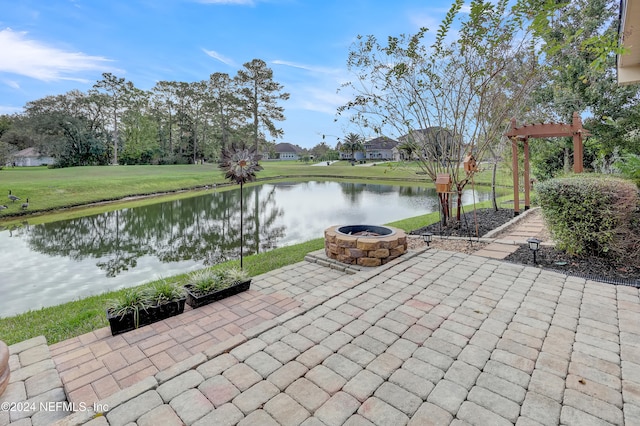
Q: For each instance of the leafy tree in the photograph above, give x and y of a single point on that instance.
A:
(6, 150)
(140, 134)
(5, 124)
(18, 135)
(176, 122)
(164, 101)
(320, 150)
(226, 107)
(261, 94)
(79, 147)
(468, 88)
(580, 43)
(323, 152)
(139, 129)
(67, 139)
(118, 90)
(61, 126)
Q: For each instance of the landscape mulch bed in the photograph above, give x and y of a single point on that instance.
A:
(591, 267)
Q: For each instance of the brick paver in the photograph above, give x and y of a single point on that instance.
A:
(432, 338)
(106, 364)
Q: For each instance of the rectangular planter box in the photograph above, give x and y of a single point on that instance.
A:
(122, 324)
(195, 301)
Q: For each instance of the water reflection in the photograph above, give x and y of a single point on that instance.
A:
(204, 228)
(56, 262)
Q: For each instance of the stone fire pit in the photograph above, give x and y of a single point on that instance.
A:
(364, 245)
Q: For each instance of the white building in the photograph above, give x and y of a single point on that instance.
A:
(30, 157)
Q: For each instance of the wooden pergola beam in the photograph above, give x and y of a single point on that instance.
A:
(543, 130)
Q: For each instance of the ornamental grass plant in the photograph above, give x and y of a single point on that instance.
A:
(210, 280)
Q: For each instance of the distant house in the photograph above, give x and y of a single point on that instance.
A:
(380, 148)
(30, 157)
(438, 140)
(287, 151)
(348, 155)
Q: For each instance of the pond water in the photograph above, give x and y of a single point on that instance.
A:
(49, 264)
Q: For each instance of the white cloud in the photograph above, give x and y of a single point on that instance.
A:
(326, 101)
(426, 20)
(12, 83)
(219, 57)
(314, 87)
(311, 68)
(32, 58)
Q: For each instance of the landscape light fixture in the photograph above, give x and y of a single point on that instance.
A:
(534, 246)
(427, 237)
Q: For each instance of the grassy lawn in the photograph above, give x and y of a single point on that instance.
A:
(54, 189)
(57, 189)
(49, 189)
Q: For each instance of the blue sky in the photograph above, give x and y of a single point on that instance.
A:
(49, 47)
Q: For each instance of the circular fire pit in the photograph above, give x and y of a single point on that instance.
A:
(364, 245)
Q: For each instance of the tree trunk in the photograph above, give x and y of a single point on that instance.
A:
(115, 136)
(494, 201)
(459, 209)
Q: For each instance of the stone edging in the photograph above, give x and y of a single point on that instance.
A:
(509, 224)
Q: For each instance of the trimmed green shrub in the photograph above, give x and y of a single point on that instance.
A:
(592, 215)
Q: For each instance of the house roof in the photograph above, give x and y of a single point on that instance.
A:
(28, 152)
(381, 142)
(287, 147)
(629, 32)
(424, 135)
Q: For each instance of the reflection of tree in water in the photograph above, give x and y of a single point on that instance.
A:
(417, 191)
(204, 228)
(381, 189)
(353, 191)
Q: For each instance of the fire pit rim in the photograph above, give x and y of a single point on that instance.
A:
(382, 231)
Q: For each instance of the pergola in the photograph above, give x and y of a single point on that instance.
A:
(542, 130)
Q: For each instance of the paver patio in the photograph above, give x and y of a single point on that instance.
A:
(433, 338)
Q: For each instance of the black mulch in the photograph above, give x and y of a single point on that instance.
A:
(485, 219)
(591, 267)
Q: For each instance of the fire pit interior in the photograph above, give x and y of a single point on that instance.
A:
(364, 245)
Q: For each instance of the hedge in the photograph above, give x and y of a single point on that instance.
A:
(591, 214)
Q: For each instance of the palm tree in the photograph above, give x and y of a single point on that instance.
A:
(240, 164)
(352, 143)
(407, 150)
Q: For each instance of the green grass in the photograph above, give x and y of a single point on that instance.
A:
(75, 187)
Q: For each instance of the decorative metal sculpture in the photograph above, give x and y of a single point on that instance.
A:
(240, 163)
